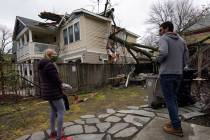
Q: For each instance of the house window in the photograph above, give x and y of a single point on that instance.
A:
(65, 36)
(76, 31)
(122, 35)
(71, 36)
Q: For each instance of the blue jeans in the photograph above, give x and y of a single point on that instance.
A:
(57, 110)
(170, 84)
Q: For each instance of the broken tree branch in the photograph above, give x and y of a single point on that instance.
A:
(134, 46)
(137, 61)
(131, 43)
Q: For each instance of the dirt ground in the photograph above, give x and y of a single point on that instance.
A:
(33, 115)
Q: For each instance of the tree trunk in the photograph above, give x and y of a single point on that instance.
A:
(2, 79)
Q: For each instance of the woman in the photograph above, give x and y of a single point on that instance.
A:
(51, 90)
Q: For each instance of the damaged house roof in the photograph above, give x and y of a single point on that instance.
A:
(22, 22)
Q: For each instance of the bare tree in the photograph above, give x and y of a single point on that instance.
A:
(5, 40)
(150, 40)
(181, 12)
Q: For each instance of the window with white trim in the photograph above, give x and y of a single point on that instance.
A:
(71, 34)
(65, 37)
(76, 31)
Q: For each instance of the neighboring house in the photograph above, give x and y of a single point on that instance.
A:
(198, 32)
(80, 37)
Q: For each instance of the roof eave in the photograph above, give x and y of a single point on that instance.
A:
(92, 14)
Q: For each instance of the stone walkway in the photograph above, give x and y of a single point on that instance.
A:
(132, 123)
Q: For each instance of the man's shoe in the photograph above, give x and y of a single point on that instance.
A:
(173, 131)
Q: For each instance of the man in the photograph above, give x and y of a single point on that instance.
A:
(172, 58)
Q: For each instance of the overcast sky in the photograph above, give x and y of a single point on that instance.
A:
(130, 14)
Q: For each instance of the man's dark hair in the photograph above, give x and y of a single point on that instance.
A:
(168, 25)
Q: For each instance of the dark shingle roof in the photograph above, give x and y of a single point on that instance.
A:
(36, 25)
(203, 23)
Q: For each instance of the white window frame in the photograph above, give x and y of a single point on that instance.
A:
(74, 31)
(67, 28)
(67, 36)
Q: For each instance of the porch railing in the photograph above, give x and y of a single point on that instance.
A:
(33, 50)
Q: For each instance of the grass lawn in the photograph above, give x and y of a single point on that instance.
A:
(33, 115)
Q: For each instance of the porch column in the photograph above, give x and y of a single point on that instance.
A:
(25, 39)
(30, 36)
(21, 42)
(28, 69)
(17, 42)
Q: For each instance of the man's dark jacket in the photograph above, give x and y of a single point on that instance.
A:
(50, 83)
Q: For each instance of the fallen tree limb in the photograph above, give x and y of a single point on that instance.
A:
(129, 44)
(134, 46)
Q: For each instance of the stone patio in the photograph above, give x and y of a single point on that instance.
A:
(132, 123)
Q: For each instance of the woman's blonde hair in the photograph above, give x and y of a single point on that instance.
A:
(48, 53)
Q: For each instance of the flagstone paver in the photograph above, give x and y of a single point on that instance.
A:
(113, 119)
(103, 115)
(79, 121)
(75, 129)
(92, 121)
(110, 111)
(138, 112)
(126, 132)
(90, 129)
(144, 106)
(133, 107)
(117, 127)
(108, 137)
(67, 124)
(120, 115)
(87, 116)
(191, 115)
(163, 115)
(23, 137)
(38, 136)
(136, 120)
(89, 137)
(103, 126)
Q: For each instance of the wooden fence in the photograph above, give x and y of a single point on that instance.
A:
(12, 81)
(23, 79)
